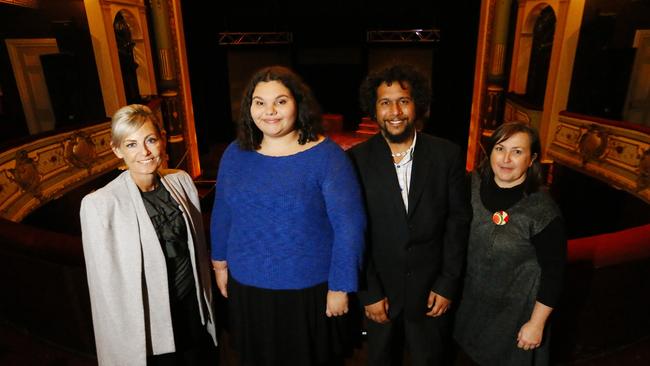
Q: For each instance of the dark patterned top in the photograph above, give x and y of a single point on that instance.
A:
(167, 219)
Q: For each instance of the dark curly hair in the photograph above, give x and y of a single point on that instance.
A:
(405, 75)
(505, 131)
(308, 120)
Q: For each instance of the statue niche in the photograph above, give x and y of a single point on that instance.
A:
(128, 66)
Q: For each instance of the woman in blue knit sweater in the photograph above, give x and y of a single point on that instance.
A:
(287, 227)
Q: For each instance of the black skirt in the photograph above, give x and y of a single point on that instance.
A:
(286, 327)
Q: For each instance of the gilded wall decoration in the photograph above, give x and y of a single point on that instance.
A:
(643, 182)
(515, 112)
(42, 170)
(80, 150)
(616, 155)
(567, 136)
(25, 173)
(592, 144)
(624, 153)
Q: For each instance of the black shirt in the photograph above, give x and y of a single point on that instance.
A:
(167, 219)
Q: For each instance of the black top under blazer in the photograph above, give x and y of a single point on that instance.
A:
(411, 254)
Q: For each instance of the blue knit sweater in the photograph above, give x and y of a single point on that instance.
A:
(289, 222)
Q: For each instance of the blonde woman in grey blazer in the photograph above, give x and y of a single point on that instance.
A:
(146, 258)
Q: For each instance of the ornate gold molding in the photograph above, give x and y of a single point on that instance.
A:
(611, 152)
(40, 171)
(593, 143)
(80, 150)
(643, 182)
(24, 3)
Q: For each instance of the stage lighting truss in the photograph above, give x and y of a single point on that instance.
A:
(403, 36)
(252, 38)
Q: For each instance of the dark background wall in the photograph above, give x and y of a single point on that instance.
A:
(330, 51)
(604, 57)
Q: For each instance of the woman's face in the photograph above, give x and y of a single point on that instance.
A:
(142, 151)
(510, 159)
(274, 109)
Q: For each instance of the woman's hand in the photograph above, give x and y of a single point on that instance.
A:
(221, 274)
(531, 333)
(337, 303)
(530, 336)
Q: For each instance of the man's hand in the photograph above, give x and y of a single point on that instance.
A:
(378, 312)
(438, 304)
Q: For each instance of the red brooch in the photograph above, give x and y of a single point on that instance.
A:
(500, 218)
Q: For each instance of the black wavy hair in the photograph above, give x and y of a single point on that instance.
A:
(405, 75)
(308, 120)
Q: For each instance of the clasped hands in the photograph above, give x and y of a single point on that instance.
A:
(378, 312)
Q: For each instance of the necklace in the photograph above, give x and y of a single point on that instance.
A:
(400, 154)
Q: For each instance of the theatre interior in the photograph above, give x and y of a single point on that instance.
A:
(576, 70)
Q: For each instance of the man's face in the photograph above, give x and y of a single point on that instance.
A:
(395, 111)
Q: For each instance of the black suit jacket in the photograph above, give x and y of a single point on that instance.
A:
(411, 254)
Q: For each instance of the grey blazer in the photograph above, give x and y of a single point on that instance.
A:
(127, 275)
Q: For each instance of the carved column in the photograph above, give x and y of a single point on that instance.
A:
(494, 102)
(168, 84)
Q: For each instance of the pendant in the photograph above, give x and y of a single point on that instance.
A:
(500, 218)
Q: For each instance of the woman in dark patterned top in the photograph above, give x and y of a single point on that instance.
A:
(516, 255)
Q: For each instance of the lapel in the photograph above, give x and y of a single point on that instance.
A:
(422, 164)
(174, 186)
(148, 238)
(384, 169)
(173, 190)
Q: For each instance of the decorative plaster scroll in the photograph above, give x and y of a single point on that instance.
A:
(643, 182)
(80, 150)
(624, 153)
(25, 174)
(614, 154)
(514, 112)
(40, 171)
(593, 143)
(567, 136)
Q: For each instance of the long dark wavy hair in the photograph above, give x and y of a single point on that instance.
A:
(404, 75)
(308, 121)
(505, 131)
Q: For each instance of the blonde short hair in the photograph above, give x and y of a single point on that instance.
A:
(129, 119)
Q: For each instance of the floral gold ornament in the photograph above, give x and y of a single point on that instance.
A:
(643, 180)
(25, 174)
(500, 218)
(80, 150)
(593, 144)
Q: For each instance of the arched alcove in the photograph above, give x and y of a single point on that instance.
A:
(540, 56)
(101, 18)
(525, 41)
(128, 64)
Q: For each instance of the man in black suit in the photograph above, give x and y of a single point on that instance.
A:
(418, 219)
